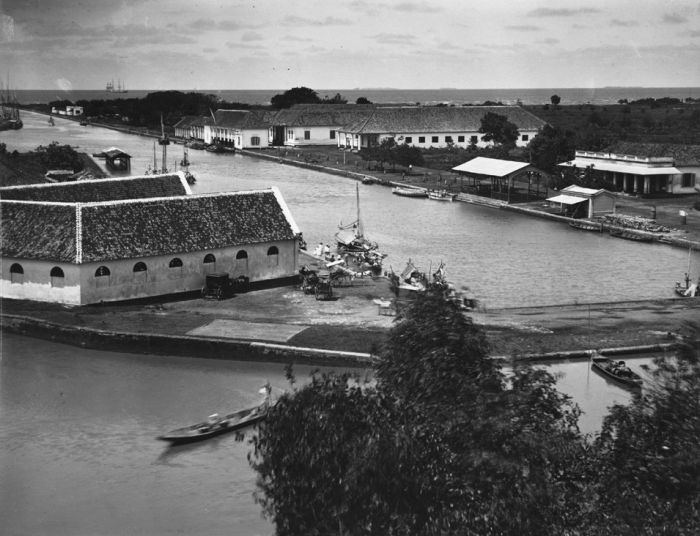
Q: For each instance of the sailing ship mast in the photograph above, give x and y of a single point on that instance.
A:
(164, 142)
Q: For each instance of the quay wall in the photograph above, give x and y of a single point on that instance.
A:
(155, 344)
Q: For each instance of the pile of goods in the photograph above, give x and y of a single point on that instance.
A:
(634, 222)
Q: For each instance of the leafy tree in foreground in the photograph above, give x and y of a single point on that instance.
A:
(498, 129)
(443, 443)
(649, 455)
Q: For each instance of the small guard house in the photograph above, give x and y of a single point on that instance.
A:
(577, 201)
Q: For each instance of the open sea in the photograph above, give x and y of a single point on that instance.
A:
(530, 96)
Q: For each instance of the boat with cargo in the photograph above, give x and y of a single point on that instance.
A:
(441, 195)
(617, 371)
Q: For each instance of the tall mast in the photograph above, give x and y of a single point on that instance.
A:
(360, 230)
(164, 142)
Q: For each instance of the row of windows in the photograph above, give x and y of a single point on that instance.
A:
(17, 270)
(450, 139)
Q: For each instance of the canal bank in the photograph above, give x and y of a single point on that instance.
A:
(674, 213)
(283, 324)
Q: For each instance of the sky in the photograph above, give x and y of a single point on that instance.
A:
(346, 44)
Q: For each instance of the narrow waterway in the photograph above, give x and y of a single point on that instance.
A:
(77, 427)
(78, 454)
(505, 259)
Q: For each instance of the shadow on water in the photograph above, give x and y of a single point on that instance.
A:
(172, 452)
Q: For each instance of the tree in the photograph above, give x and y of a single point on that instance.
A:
(55, 156)
(408, 155)
(441, 443)
(363, 100)
(498, 129)
(336, 99)
(296, 95)
(555, 99)
(551, 147)
(649, 453)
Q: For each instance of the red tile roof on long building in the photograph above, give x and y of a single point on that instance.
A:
(96, 190)
(415, 119)
(94, 231)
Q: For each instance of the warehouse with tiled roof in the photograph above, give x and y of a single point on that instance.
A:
(434, 126)
(80, 243)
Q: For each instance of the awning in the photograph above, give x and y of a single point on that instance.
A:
(631, 169)
(492, 167)
(567, 199)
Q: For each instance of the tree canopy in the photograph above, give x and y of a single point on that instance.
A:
(55, 156)
(499, 129)
(441, 443)
(296, 95)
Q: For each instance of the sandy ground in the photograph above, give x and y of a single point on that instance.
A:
(352, 320)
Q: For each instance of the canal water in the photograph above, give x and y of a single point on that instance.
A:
(77, 427)
(78, 454)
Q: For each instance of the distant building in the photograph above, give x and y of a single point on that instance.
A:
(644, 169)
(135, 237)
(191, 127)
(241, 129)
(68, 110)
(434, 126)
(315, 124)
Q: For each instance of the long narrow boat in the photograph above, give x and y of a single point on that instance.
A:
(617, 371)
(216, 425)
(409, 192)
(630, 235)
(585, 225)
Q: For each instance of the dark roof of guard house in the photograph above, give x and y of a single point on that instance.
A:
(317, 115)
(683, 155)
(412, 119)
(90, 191)
(138, 228)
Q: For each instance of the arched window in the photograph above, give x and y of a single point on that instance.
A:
(273, 255)
(140, 267)
(16, 273)
(176, 263)
(209, 263)
(57, 277)
(102, 271)
(242, 254)
(242, 262)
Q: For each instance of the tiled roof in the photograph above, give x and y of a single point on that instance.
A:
(40, 231)
(194, 120)
(242, 119)
(142, 228)
(683, 155)
(90, 191)
(331, 115)
(414, 119)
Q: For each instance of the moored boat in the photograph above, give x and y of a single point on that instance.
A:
(360, 255)
(586, 225)
(689, 290)
(440, 195)
(616, 370)
(630, 235)
(409, 192)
